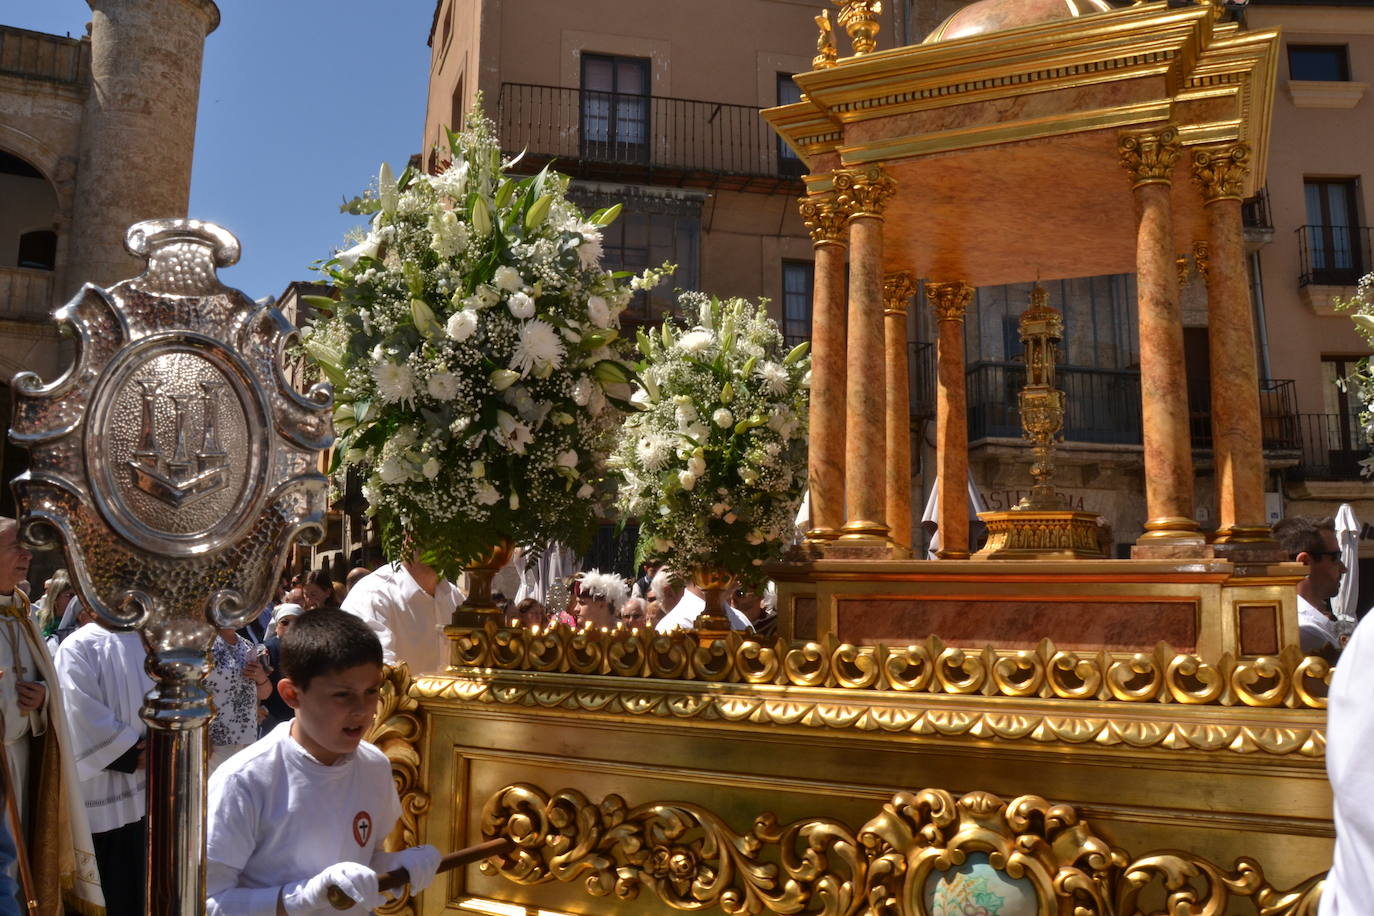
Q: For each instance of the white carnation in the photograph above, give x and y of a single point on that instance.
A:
(567, 459)
(599, 312)
(508, 278)
(461, 324)
(687, 479)
(521, 305)
(442, 386)
(723, 418)
(392, 471)
(486, 494)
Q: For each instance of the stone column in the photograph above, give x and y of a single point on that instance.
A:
(825, 457)
(1149, 158)
(948, 302)
(897, 290)
(1237, 438)
(861, 194)
(138, 128)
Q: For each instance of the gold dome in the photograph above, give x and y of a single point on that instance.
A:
(984, 16)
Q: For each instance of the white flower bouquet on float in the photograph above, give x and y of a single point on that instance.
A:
(1361, 380)
(471, 351)
(714, 463)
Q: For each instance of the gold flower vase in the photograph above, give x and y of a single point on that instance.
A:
(716, 586)
(479, 607)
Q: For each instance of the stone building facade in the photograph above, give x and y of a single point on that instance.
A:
(96, 133)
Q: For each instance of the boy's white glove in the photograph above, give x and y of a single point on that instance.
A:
(355, 879)
(421, 862)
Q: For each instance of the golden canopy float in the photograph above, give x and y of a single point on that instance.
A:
(1079, 736)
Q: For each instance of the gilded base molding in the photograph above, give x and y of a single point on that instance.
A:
(398, 732)
(1040, 534)
(691, 859)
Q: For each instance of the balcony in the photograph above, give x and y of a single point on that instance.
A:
(1254, 212)
(1332, 255)
(644, 139)
(1278, 416)
(1332, 447)
(1103, 404)
(25, 294)
(40, 56)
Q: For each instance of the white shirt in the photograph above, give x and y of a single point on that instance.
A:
(1315, 629)
(1349, 750)
(408, 620)
(103, 680)
(684, 615)
(276, 816)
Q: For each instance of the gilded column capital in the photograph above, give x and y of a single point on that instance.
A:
(863, 191)
(897, 290)
(824, 219)
(1149, 155)
(1220, 171)
(949, 301)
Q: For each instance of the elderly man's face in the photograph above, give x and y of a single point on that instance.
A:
(14, 559)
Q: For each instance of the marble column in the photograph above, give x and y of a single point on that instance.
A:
(1237, 437)
(897, 290)
(948, 302)
(862, 193)
(1149, 158)
(825, 456)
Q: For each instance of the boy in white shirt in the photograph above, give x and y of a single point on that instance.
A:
(306, 806)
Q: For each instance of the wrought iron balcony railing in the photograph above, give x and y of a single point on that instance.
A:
(1254, 211)
(622, 136)
(38, 55)
(1332, 255)
(1103, 405)
(1278, 416)
(1333, 445)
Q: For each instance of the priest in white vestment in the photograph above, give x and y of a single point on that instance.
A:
(54, 830)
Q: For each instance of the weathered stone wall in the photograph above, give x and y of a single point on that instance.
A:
(139, 126)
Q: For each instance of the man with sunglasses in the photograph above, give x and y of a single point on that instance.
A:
(1313, 544)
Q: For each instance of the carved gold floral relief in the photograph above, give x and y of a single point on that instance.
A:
(692, 859)
(397, 732)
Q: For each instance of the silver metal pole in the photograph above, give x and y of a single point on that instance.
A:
(175, 465)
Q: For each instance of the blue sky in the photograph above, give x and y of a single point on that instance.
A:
(300, 101)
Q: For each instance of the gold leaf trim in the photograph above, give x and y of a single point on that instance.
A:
(691, 859)
(398, 732)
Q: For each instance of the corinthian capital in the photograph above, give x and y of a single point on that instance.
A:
(949, 301)
(897, 290)
(1220, 171)
(863, 191)
(1149, 155)
(824, 219)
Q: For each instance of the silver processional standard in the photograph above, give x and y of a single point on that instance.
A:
(174, 463)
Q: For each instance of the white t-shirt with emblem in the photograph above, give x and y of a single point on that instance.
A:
(276, 815)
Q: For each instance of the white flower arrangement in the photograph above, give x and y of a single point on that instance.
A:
(1361, 380)
(470, 350)
(714, 463)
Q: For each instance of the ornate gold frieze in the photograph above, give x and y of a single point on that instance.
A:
(398, 731)
(1220, 171)
(898, 288)
(860, 20)
(691, 858)
(949, 301)
(863, 191)
(1026, 534)
(980, 693)
(825, 43)
(826, 222)
(1149, 156)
